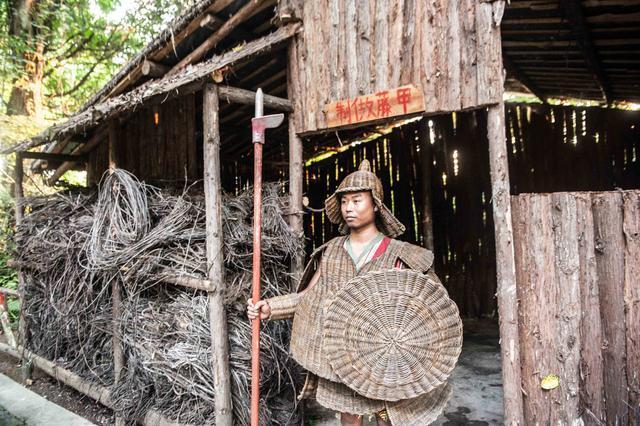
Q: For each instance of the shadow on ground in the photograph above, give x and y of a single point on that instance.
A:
(476, 382)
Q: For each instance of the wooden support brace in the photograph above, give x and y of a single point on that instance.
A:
(191, 282)
(247, 97)
(215, 257)
(515, 71)
(154, 69)
(95, 140)
(94, 391)
(573, 12)
(54, 157)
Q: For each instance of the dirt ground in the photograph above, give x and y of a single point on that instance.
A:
(477, 385)
(60, 394)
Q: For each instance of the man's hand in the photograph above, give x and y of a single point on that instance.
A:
(262, 306)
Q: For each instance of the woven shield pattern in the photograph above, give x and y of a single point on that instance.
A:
(392, 334)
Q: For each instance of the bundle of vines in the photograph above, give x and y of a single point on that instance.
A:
(72, 245)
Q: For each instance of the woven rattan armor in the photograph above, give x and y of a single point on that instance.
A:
(336, 269)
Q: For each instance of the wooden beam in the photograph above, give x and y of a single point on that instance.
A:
(247, 97)
(211, 22)
(192, 78)
(572, 10)
(95, 140)
(505, 265)
(191, 282)
(56, 148)
(514, 71)
(218, 36)
(53, 157)
(94, 391)
(153, 69)
(215, 257)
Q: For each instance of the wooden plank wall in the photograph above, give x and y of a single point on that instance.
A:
(349, 48)
(157, 143)
(578, 259)
(572, 148)
(461, 194)
(463, 219)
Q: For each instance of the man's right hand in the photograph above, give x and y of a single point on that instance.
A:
(262, 306)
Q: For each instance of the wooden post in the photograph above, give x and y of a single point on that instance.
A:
(116, 291)
(215, 257)
(505, 265)
(18, 193)
(426, 159)
(296, 170)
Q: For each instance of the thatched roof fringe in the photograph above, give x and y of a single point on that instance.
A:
(192, 76)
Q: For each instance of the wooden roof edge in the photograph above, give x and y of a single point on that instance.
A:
(165, 37)
(188, 78)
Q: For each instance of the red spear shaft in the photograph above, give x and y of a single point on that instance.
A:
(258, 126)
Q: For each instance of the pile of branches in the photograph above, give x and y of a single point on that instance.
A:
(73, 246)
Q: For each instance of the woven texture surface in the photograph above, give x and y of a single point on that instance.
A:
(363, 180)
(392, 334)
(336, 269)
(422, 410)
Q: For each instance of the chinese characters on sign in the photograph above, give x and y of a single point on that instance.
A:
(388, 103)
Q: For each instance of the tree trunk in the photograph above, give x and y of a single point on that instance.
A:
(26, 93)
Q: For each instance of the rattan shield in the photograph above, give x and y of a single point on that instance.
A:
(392, 334)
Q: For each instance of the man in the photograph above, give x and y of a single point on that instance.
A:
(367, 244)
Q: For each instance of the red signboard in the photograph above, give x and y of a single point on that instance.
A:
(388, 103)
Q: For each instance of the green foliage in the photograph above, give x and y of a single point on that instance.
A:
(8, 276)
(85, 43)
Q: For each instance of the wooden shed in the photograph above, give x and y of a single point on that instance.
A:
(392, 81)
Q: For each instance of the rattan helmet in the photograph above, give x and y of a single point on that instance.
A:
(363, 180)
(392, 334)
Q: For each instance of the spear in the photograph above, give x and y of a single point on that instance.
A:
(258, 125)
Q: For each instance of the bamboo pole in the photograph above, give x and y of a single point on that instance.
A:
(505, 266)
(215, 258)
(427, 165)
(296, 170)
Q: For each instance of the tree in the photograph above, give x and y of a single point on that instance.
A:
(56, 53)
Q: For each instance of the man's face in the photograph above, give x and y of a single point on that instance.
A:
(358, 209)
